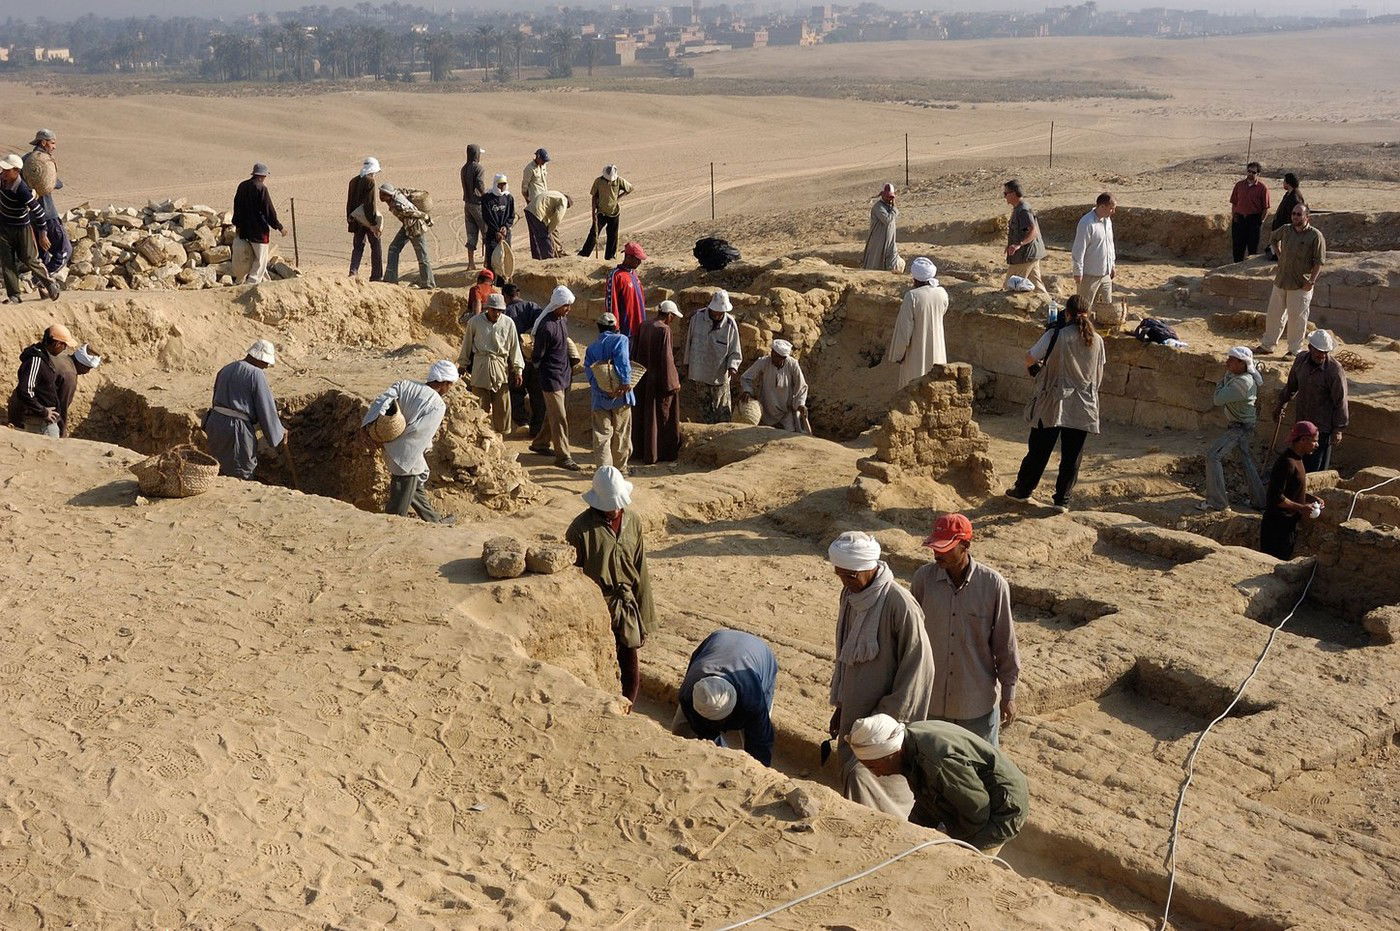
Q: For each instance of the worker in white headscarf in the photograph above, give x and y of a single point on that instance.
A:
(242, 403)
(777, 382)
(423, 408)
(728, 687)
(917, 342)
(961, 784)
(883, 664)
(710, 359)
(362, 218)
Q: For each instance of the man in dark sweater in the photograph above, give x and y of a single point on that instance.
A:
(254, 218)
(35, 405)
(525, 313)
(554, 367)
(23, 232)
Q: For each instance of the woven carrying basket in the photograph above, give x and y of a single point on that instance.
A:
(747, 412)
(181, 472)
(388, 426)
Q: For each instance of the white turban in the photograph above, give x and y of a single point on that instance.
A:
(499, 180)
(720, 302)
(923, 269)
(85, 356)
(1322, 341)
(610, 491)
(669, 307)
(610, 172)
(370, 167)
(782, 347)
(876, 737)
(442, 370)
(263, 351)
(714, 698)
(561, 297)
(854, 551)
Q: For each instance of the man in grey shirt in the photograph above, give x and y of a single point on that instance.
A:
(1024, 245)
(967, 614)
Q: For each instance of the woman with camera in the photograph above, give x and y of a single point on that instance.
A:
(1067, 364)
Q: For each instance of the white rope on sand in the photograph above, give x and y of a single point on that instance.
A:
(1190, 764)
(863, 873)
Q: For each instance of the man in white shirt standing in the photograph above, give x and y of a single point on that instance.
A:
(406, 455)
(1093, 257)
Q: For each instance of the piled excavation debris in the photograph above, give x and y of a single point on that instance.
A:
(170, 244)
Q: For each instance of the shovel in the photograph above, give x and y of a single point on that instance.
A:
(291, 461)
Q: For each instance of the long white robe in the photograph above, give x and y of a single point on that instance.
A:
(917, 342)
(779, 392)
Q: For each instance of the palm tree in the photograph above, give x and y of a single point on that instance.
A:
(298, 43)
(485, 41)
(561, 46)
(441, 53)
(517, 44)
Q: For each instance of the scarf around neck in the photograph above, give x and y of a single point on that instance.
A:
(862, 642)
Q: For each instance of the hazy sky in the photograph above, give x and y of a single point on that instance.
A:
(69, 9)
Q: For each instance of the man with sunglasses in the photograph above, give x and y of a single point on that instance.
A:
(1249, 201)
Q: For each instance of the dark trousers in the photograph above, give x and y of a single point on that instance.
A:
(629, 668)
(540, 247)
(1277, 534)
(1244, 234)
(1039, 447)
(19, 252)
(410, 491)
(60, 246)
(536, 395)
(609, 224)
(1320, 459)
(376, 254)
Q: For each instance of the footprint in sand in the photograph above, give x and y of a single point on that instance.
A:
(201, 839)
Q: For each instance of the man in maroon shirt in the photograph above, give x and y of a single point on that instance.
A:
(1249, 201)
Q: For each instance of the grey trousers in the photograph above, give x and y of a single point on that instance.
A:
(410, 491)
(41, 426)
(988, 726)
(1236, 436)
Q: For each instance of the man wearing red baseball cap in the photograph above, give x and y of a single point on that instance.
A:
(967, 613)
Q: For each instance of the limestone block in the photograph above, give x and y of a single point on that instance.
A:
(880, 471)
(504, 557)
(1347, 297)
(1383, 624)
(549, 558)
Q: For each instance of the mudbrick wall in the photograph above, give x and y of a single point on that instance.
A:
(1356, 295)
(930, 431)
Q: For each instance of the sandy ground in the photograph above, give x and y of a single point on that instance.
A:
(266, 709)
(770, 154)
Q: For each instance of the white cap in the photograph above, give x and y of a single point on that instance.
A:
(11, 161)
(610, 491)
(442, 370)
(559, 298)
(369, 166)
(854, 551)
(1322, 341)
(714, 698)
(922, 269)
(607, 318)
(263, 351)
(669, 307)
(387, 188)
(876, 737)
(610, 172)
(720, 302)
(84, 356)
(499, 180)
(782, 347)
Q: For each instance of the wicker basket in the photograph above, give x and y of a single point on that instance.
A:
(747, 412)
(606, 374)
(388, 426)
(181, 472)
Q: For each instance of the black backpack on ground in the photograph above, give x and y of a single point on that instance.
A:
(1153, 330)
(713, 253)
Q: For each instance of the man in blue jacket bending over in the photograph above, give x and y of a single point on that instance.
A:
(729, 687)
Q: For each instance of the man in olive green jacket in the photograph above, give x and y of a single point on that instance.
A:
(608, 540)
(962, 785)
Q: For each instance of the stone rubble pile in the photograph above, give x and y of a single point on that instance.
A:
(166, 245)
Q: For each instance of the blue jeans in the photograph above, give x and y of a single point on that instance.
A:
(988, 726)
(1236, 436)
(420, 249)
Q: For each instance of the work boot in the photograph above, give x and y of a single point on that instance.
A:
(570, 464)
